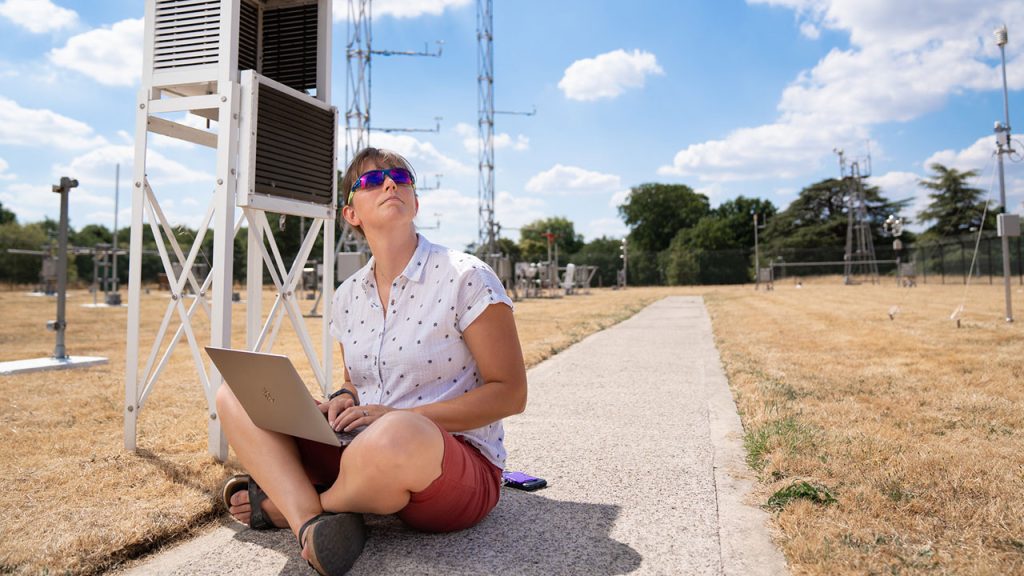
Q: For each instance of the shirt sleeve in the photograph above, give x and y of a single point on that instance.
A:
(478, 289)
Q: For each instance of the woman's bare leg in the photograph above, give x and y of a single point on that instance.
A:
(397, 455)
(272, 459)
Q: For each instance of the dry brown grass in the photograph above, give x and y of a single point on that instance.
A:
(914, 426)
(74, 501)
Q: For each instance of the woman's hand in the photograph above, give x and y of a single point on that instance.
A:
(355, 416)
(339, 404)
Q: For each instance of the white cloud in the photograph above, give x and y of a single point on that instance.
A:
(515, 210)
(39, 127)
(977, 156)
(610, 227)
(810, 31)
(905, 60)
(29, 202)
(96, 167)
(900, 186)
(471, 141)
(424, 156)
(400, 8)
(608, 75)
(38, 16)
(4, 174)
(110, 56)
(561, 179)
(619, 198)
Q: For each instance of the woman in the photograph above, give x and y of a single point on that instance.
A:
(432, 365)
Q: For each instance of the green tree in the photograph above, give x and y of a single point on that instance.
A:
(6, 216)
(818, 217)
(509, 248)
(89, 236)
(21, 268)
(956, 208)
(534, 243)
(604, 253)
(738, 217)
(656, 212)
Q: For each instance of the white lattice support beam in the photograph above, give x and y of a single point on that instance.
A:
(131, 388)
(223, 247)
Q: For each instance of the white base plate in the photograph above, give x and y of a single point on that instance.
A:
(51, 363)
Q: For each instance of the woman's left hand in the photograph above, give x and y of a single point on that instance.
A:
(357, 416)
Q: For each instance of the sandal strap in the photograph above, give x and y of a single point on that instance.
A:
(308, 523)
(258, 520)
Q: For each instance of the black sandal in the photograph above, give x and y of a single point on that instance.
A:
(258, 520)
(335, 541)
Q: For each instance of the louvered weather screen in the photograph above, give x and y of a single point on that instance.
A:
(279, 42)
(185, 33)
(248, 36)
(290, 46)
(290, 151)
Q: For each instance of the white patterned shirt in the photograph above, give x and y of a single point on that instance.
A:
(416, 355)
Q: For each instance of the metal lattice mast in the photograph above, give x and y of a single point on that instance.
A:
(865, 254)
(860, 248)
(485, 108)
(357, 54)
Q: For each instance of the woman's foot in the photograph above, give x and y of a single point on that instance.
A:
(331, 543)
(241, 494)
(241, 510)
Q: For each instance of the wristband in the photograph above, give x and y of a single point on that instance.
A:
(341, 391)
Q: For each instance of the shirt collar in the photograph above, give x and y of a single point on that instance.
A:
(413, 270)
(418, 263)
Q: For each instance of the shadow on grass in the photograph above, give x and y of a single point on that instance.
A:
(526, 534)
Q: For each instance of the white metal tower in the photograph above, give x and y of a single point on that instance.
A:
(261, 70)
(859, 258)
(485, 124)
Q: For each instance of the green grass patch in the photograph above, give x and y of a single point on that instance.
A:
(786, 433)
(801, 490)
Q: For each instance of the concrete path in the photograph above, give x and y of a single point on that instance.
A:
(637, 434)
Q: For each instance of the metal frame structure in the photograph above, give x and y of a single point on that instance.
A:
(859, 258)
(194, 55)
(358, 55)
(486, 232)
(1008, 225)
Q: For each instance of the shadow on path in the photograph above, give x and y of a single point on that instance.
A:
(526, 534)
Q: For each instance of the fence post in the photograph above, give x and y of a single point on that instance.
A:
(924, 265)
(942, 261)
(989, 242)
(1020, 262)
(963, 262)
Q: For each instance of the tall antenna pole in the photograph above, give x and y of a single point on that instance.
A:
(1003, 144)
(117, 196)
(485, 107)
(357, 55)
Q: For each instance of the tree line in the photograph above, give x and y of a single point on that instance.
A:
(675, 236)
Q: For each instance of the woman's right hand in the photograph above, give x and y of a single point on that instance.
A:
(334, 408)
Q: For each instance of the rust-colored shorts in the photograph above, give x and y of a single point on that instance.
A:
(465, 492)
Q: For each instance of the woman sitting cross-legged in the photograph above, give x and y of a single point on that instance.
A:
(432, 365)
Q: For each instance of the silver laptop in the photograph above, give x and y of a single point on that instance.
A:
(274, 396)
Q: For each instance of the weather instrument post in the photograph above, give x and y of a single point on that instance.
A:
(65, 186)
(1007, 224)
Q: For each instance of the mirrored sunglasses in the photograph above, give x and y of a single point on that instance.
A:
(375, 178)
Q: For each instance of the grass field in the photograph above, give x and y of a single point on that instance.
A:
(883, 445)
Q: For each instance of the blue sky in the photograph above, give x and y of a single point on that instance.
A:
(728, 97)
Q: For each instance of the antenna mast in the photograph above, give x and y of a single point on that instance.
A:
(860, 247)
